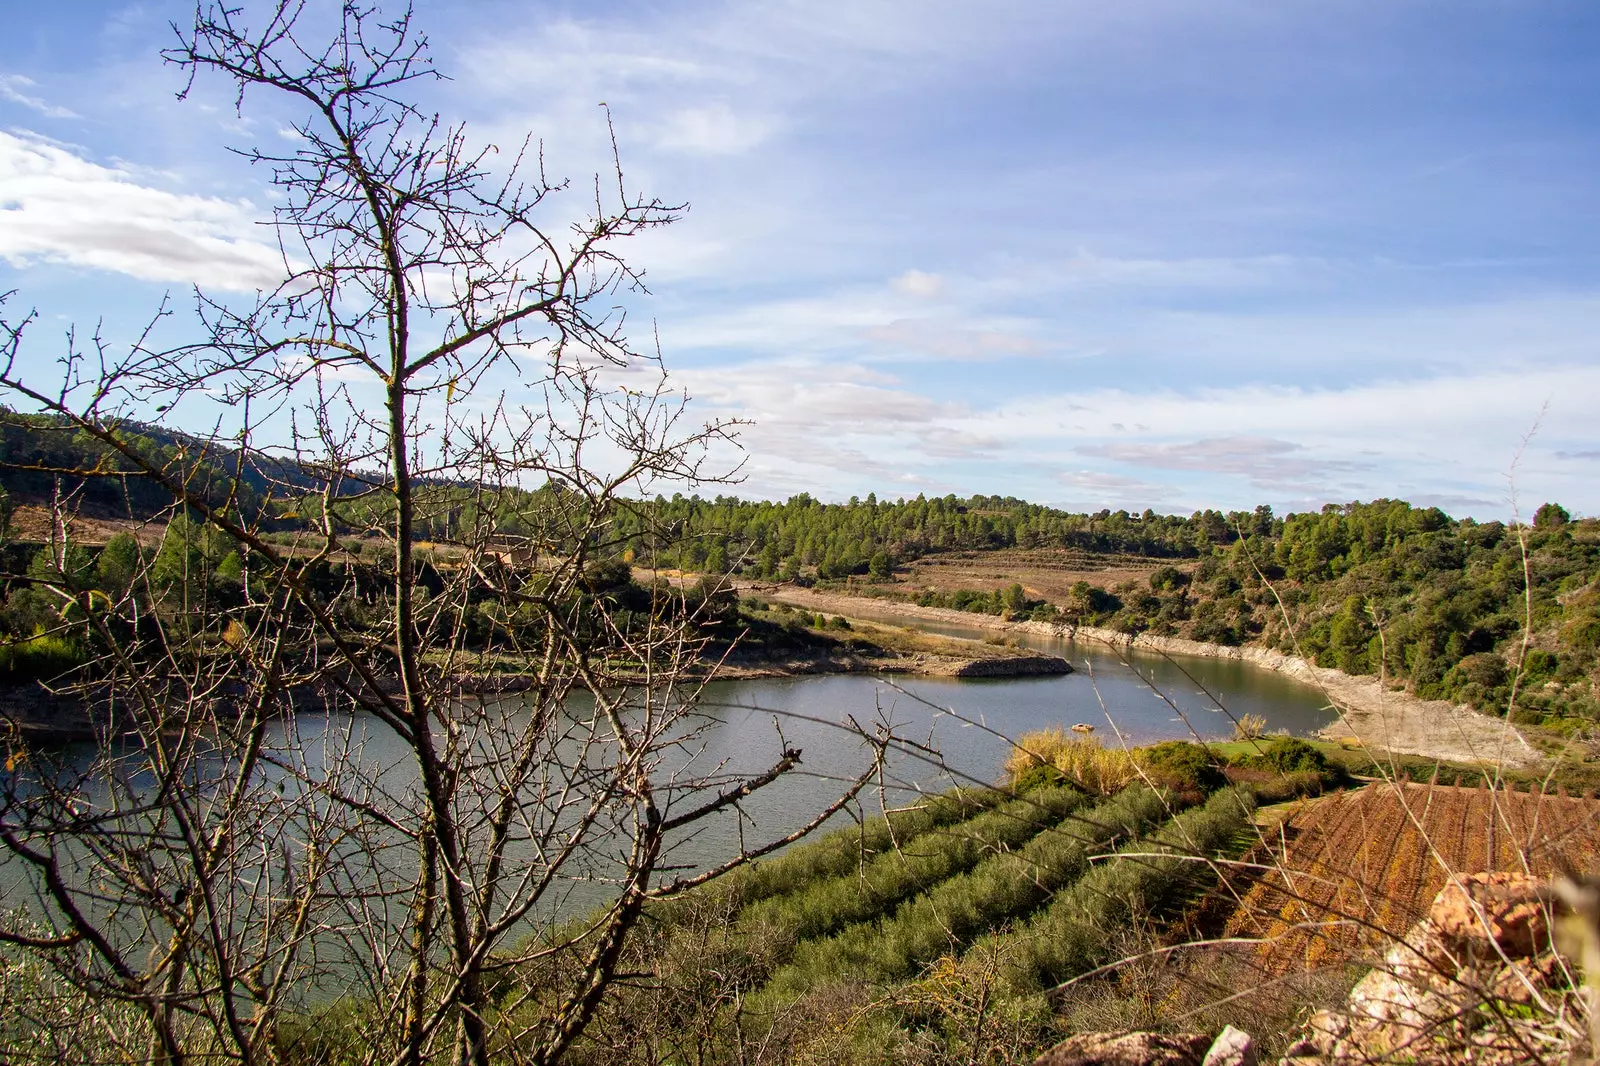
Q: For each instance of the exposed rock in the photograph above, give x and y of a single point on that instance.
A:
(1232, 1047)
(1014, 666)
(1490, 909)
(1303, 1049)
(1486, 940)
(1128, 1049)
(1389, 1014)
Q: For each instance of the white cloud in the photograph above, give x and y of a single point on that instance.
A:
(58, 207)
(941, 339)
(920, 284)
(11, 88)
(1446, 439)
(715, 129)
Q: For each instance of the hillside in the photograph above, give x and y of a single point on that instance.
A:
(983, 925)
(1436, 603)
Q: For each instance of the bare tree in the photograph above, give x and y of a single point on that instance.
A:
(364, 712)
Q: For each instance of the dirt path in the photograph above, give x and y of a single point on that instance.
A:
(1379, 718)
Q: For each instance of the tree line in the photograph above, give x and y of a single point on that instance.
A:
(1502, 617)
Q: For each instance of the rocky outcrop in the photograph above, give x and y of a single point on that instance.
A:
(1128, 1049)
(1010, 666)
(1231, 1047)
(1477, 981)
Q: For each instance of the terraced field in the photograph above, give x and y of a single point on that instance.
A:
(880, 933)
(1351, 870)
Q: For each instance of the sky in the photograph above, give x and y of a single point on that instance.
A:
(1146, 254)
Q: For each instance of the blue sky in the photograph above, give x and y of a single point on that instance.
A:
(1148, 254)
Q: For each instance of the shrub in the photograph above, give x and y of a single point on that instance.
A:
(844, 850)
(826, 905)
(953, 912)
(1039, 775)
(42, 656)
(1182, 767)
(1287, 755)
(1075, 934)
(1271, 787)
(1249, 727)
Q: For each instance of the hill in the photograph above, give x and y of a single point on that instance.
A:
(1493, 615)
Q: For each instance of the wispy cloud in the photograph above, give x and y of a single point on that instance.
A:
(945, 339)
(57, 206)
(12, 88)
(921, 284)
(1266, 462)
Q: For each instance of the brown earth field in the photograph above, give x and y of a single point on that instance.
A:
(1044, 573)
(1342, 876)
(31, 524)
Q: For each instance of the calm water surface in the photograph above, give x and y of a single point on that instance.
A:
(967, 721)
(960, 728)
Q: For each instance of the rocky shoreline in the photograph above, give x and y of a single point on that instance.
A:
(1027, 664)
(1370, 713)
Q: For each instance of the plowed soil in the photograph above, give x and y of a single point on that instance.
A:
(1347, 872)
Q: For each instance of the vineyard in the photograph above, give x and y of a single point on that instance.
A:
(1349, 871)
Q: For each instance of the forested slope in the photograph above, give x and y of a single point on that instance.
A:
(1435, 602)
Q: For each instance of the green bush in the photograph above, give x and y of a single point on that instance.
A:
(845, 850)
(40, 657)
(1037, 776)
(1286, 755)
(1182, 766)
(824, 906)
(1278, 787)
(1150, 878)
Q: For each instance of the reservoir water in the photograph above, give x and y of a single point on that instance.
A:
(956, 731)
(966, 725)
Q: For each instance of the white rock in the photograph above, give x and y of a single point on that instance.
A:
(1232, 1047)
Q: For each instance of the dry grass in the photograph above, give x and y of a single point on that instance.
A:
(1249, 727)
(1046, 573)
(1083, 760)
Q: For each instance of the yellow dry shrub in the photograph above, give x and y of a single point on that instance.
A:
(1082, 760)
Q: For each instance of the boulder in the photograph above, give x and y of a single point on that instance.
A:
(1387, 1013)
(1128, 1049)
(1232, 1047)
(1485, 938)
(1489, 909)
